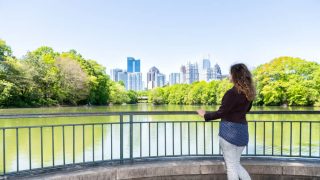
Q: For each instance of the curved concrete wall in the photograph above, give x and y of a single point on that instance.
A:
(190, 169)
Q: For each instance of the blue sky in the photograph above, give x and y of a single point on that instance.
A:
(166, 33)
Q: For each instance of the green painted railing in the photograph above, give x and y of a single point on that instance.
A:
(28, 148)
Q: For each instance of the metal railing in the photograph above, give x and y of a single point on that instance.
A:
(28, 148)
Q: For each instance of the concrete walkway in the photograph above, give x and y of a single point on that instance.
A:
(185, 169)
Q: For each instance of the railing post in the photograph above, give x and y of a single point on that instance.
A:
(121, 138)
(131, 137)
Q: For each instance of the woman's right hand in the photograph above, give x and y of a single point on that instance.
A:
(201, 112)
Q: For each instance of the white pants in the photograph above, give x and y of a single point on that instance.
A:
(231, 155)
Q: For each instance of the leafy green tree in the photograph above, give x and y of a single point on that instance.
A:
(196, 92)
(5, 51)
(156, 96)
(287, 80)
(132, 97)
(118, 94)
(177, 93)
(42, 61)
(209, 95)
(17, 87)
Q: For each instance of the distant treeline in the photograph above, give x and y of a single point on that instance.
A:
(44, 77)
(283, 81)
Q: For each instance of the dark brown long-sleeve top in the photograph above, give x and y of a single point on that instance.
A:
(233, 108)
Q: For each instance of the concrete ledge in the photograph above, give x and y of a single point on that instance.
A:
(182, 168)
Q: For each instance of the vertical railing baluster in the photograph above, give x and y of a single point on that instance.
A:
(196, 138)
(272, 138)
(165, 138)
(111, 145)
(180, 138)
(41, 146)
(255, 138)
(30, 166)
(102, 143)
(83, 144)
(290, 138)
(281, 145)
(157, 139)
(131, 136)
(189, 138)
(211, 124)
(17, 146)
(121, 138)
(63, 147)
(300, 138)
(204, 138)
(264, 138)
(73, 145)
(310, 140)
(219, 141)
(140, 139)
(149, 139)
(52, 136)
(93, 143)
(173, 138)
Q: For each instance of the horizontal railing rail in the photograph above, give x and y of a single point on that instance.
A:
(71, 114)
(28, 148)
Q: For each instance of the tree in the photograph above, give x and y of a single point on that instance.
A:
(17, 87)
(196, 92)
(5, 51)
(287, 80)
(209, 95)
(73, 81)
(45, 74)
(156, 96)
(132, 97)
(118, 94)
(99, 81)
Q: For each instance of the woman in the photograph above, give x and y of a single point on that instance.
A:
(233, 131)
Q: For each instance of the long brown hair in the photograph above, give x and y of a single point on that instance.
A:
(242, 80)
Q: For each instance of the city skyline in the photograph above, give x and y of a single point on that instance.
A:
(166, 33)
(187, 74)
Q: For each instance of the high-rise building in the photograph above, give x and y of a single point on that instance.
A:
(155, 78)
(205, 74)
(133, 65)
(114, 74)
(183, 74)
(216, 74)
(174, 78)
(205, 64)
(161, 79)
(134, 76)
(192, 73)
(123, 76)
(152, 77)
(135, 81)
